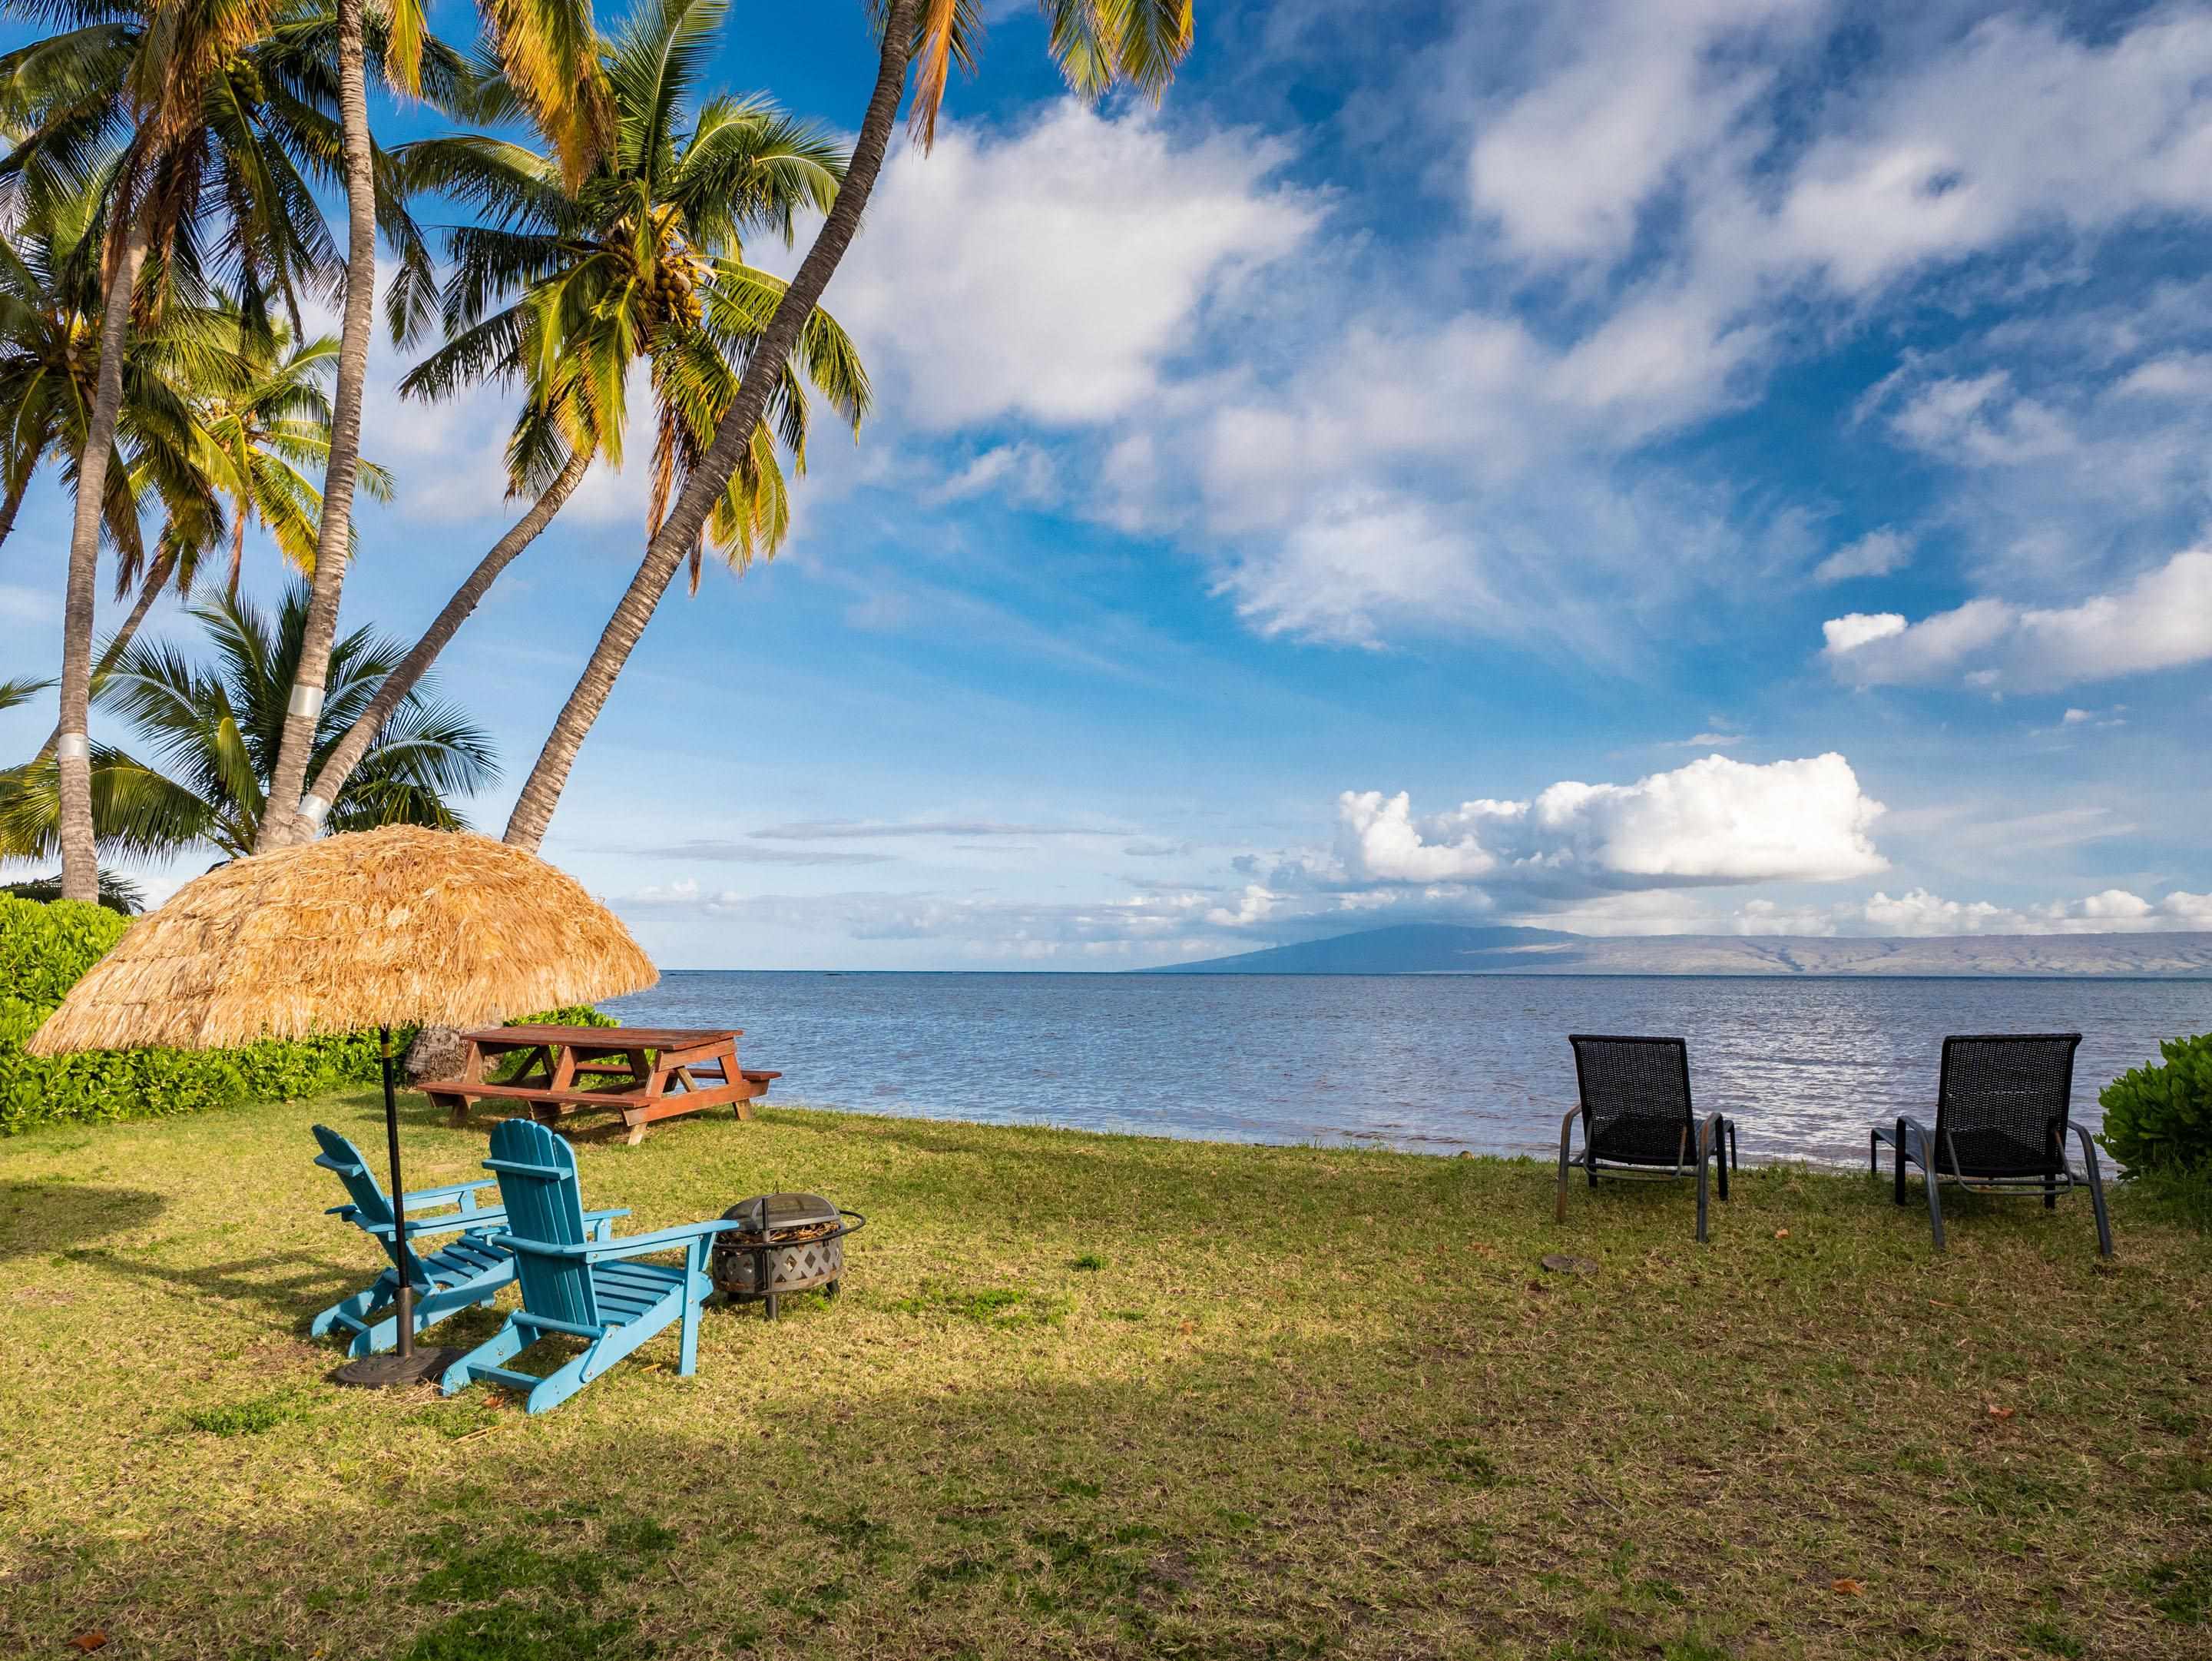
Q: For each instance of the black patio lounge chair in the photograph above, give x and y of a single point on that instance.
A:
(2001, 1126)
(1637, 1119)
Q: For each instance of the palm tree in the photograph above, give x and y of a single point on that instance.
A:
(214, 408)
(50, 288)
(1096, 44)
(213, 733)
(272, 423)
(645, 260)
(116, 893)
(51, 285)
(545, 48)
(209, 135)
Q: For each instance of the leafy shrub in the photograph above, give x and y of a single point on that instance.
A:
(574, 1014)
(46, 949)
(2160, 1118)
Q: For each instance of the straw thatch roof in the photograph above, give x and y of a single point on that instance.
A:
(399, 926)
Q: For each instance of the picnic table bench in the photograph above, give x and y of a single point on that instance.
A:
(642, 1073)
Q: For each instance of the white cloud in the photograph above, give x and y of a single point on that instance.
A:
(2082, 720)
(1052, 272)
(1356, 563)
(2019, 127)
(1256, 905)
(1918, 912)
(1142, 925)
(1019, 473)
(1713, 821)
(1565, 168)
(2161, 620)
(1707, 741)
(1981, 422)
(2180, 376)
(1877, 554)
(1857, 628)
(1709, 150)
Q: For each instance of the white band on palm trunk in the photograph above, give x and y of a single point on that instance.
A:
(314, 810)
(306, 700)
(73, 746)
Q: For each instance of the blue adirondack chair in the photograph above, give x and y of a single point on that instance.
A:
(573, 1285)
(469, 1271)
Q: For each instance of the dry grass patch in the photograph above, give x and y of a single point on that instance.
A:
(1105, 1397)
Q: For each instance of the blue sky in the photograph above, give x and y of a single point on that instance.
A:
(1728, 466)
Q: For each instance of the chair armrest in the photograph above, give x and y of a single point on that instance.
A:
(444, 1225)
(450, 1192)
(634, 1245)
(606, 1216)
(1916, 1141)
(662, 1240)
(2088, 1143)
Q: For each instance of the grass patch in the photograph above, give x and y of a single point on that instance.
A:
(2180, 1588)
(250, 1417)
(513, 1632)
(1002, 1307)
(1343, 1412)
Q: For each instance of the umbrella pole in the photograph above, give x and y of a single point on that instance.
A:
(406, 1365)
(398, 1207)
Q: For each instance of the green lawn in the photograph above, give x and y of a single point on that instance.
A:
(1104, 1397)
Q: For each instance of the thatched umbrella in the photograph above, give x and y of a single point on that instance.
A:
(381, 929)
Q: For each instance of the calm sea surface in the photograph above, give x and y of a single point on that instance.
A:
(1431, 1062)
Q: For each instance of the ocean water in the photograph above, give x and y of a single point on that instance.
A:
(1431, 1062)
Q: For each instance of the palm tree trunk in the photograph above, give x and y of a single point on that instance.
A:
(281, 823)
(12, 502)
(411, 668)
(73, 745)
(541, 792)
(156, 580)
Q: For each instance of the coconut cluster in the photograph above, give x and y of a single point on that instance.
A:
(672, 292)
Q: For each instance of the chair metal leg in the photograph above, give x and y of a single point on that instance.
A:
(1874, 1152)
(2096, 1192)
(1722, 1132)
(1566, 1131)
(1923, 1156)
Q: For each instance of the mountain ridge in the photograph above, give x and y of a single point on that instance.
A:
(1457, 949)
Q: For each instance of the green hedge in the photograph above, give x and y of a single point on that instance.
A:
(46, 949)
(2160, 1118)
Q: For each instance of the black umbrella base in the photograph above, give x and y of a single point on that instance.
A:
(395, 1371)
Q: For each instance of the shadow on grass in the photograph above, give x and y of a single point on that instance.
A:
(288, 1284)
(57, 1215)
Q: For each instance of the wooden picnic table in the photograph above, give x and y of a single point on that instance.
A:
(642, 1073)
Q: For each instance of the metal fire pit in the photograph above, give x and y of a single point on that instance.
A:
(790, 1242)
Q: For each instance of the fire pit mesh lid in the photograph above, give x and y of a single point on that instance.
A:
(785, 1211)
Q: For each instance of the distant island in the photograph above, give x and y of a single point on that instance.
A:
(1453, 949)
